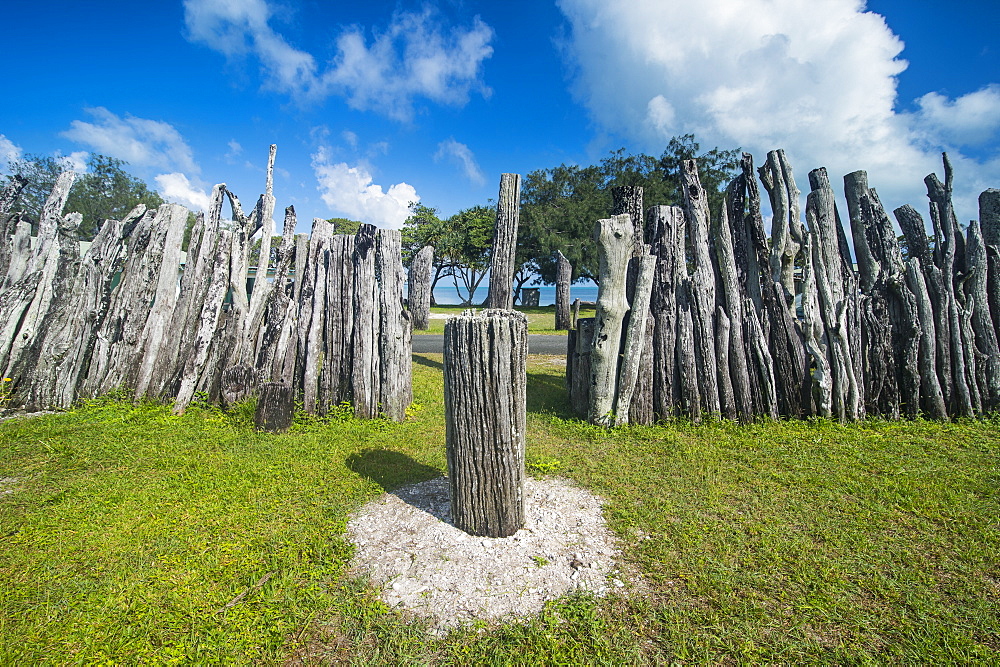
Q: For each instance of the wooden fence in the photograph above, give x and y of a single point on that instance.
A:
(331, 325)
(743, 327)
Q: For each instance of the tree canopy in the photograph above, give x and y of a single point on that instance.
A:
(105, 191)
(345, 225)
(461, 244)
(560, 205)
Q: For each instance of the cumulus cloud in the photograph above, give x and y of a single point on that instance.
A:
(9, 151)
(77, 161)
(177, 189)
(816, 78)
(968, 120)
(461, 155)
(351, 191)
(141, 142)
(416, 56)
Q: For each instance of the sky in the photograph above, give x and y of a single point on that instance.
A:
(374, 105)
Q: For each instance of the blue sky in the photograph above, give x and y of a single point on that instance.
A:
(374, 104)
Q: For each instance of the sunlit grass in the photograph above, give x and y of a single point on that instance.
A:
(134, 536)
(541, 319)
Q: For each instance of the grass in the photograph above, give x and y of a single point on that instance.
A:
(541, 319)
(131, 536)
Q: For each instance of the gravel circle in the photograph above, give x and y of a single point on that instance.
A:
(407, 546)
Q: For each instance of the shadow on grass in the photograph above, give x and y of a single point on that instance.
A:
(390, 469)
(547, 393)
(430, 363)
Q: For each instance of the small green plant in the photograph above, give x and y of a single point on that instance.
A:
(540, 561)
(6, 392)
(544, 465)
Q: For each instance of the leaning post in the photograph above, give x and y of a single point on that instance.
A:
(484, 388)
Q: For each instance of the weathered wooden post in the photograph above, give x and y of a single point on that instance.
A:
(418, 287)
(505, 243)
(484, 387)
(564, 275)
(275, 408)
(238, 383)
(614, 248)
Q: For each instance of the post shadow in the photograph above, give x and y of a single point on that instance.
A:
(424, 361)
(396, 473)
(390, 469)
(547, 393)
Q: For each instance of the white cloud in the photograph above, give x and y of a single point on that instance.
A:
(235, 150)
(969, 119)
(816, 78)
(177, 189)
(415, 56)
(460, 154)
(9, 151)
(77, 161)
(351, 191)
(141, 142)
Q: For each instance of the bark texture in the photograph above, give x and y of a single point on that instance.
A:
(419, 288)
(564, 275)
(133, 312)
(501, 294)
(484, 380)
(275, 408)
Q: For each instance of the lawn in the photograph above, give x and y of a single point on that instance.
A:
(128, 535)
(541, 319)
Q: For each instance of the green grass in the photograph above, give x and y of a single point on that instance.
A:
(541, 319)
(131, 535)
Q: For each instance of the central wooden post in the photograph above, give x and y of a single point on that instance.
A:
(484, 389)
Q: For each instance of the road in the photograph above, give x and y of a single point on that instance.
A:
(537, 344)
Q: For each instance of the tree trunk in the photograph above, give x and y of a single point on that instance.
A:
(932, 398)
(837, 298)
(787, 235)
(578, 360)
(275, 408)
(667, 232)
(394, 342)
(814, 334)
(635, 340)
(501, 293)
(989, 220)
(912, 224)
(564, 274)
(238, 383)
(702, 287)
(614, 247)
(732, 294)
(366, 371)
(484, 382)
(419, 288)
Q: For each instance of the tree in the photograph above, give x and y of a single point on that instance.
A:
(345, 225)
(39, 175)
(469, 243)
(107, 192)
(461, 244)
(559, 206)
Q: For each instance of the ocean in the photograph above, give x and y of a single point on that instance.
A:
(446, 294)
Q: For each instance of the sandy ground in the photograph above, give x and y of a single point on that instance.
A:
(423, 564)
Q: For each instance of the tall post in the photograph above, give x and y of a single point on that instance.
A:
(505, 243)
(418, 286)
(484, 388)
(564, 275)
